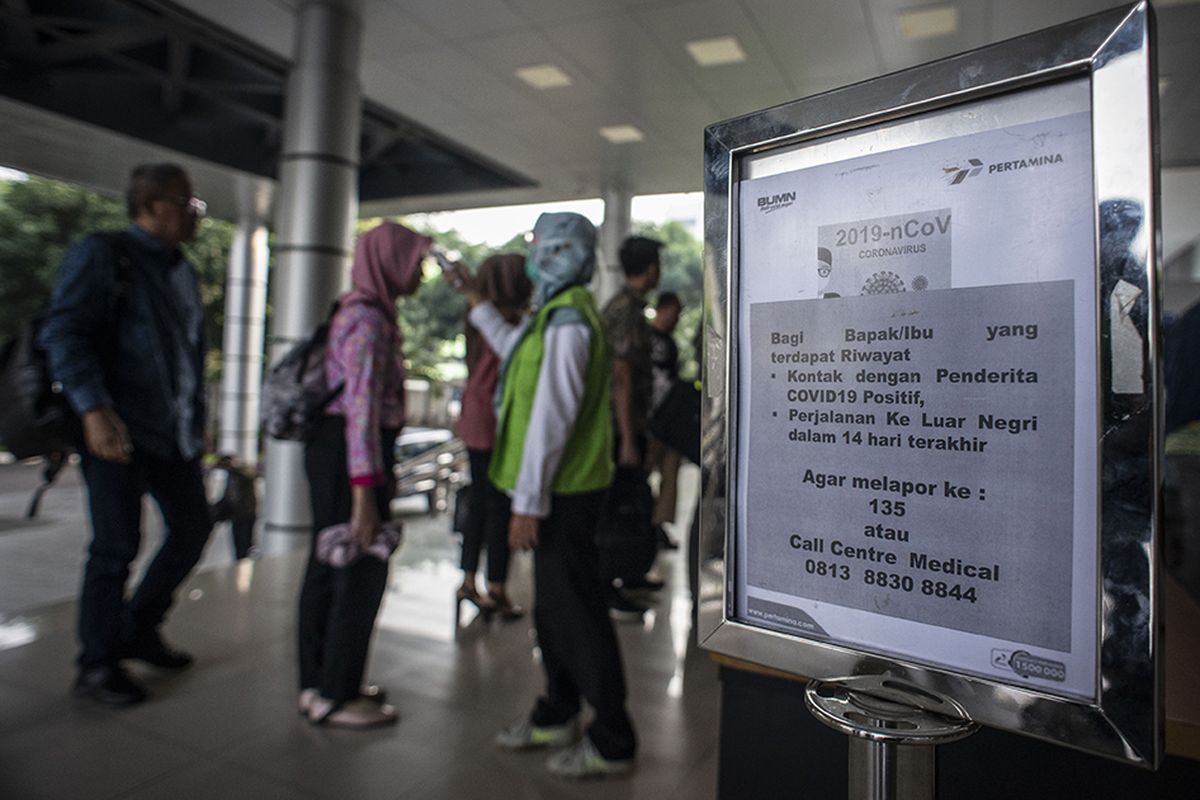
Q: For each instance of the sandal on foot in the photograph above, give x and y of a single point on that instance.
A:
(307, 697)
(355, 715)
(369, 691)
(376, 694)
(507, 610)
(481, 602)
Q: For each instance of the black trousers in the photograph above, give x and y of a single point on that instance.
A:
(241, 533)
(338, 606)
(115, 494)
(580, 654)
(488, 510)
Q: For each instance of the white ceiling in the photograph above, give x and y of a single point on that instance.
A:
(450, 64)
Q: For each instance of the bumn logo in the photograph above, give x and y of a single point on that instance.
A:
(776, 202)
(960, 174)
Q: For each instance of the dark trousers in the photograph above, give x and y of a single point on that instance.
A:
(338, 606)
(488, 510)
(579, 647)
(241, 533)
(115, 500)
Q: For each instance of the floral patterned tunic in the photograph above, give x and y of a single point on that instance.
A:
(365, 352)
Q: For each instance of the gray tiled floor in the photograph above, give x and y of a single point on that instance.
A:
(228, 728)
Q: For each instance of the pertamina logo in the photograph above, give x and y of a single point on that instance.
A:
(957, 174)
(960, 174)
(776, 202)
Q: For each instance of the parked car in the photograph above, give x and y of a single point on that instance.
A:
(430, 462)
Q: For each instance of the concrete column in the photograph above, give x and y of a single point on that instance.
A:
(618, 204)
(245, 318)
(318, 203)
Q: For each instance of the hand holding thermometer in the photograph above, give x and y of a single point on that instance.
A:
(450, 271)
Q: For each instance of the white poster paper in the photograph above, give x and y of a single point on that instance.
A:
(917, 402)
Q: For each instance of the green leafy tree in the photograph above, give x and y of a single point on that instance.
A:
(40, 218)
(209, 252)
(517, 244)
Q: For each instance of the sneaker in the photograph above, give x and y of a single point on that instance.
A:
(111, 686)
(524, 735)
(584, 761)
(622, 609)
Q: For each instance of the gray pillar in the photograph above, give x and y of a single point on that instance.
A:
(245, 318)
(618, 203)
(317, 206)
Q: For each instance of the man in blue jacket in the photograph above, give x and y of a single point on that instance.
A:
(124, 337)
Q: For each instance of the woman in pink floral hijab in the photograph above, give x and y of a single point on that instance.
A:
(349, 462)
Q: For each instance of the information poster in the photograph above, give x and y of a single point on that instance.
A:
(917, 401)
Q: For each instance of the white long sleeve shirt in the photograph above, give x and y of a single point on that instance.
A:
(556, 401)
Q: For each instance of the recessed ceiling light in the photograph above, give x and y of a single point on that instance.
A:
(544, 76)
(716, 51)
(622, 134)
(925, 23)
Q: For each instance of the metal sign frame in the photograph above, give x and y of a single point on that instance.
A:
(1115, 52)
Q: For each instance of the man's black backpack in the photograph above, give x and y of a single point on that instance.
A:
(35, 419)
(295, 392)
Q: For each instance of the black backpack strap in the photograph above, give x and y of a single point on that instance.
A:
(118, 242)
(54, 463)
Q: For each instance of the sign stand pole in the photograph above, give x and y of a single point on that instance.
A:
(894, 728)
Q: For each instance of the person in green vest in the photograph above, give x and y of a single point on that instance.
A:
(553, 456)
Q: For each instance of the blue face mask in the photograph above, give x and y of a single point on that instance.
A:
(563, 254)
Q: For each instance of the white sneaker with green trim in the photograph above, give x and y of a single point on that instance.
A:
(584, 761)
(524, 735)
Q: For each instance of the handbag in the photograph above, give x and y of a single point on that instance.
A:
(462, 507)
(676, 421)
(337, 548)
(625, 534)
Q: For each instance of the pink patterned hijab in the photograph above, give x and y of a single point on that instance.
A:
(387, 264)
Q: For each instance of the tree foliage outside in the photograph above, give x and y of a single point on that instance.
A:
(40, 218)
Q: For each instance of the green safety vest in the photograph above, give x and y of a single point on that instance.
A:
(586, 464)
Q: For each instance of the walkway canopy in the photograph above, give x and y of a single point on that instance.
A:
(452, 116)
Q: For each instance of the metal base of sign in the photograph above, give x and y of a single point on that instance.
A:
(894, 728)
